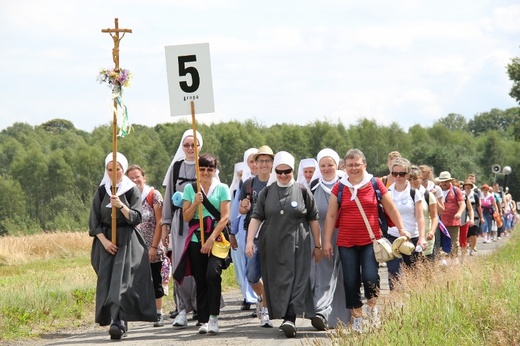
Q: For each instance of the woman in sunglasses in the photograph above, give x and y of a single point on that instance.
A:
(205, 267)
(408, 201)
(289, 216)
(174, 229)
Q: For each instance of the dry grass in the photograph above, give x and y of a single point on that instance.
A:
(25, 249)
(473, 303)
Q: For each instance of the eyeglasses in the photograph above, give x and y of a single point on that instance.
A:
(283, 171)
(354, 165)
(264, 161)
(189, 146)
(206, 169)
(401, 174)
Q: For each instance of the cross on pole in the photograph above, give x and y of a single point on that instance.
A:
(114, 33)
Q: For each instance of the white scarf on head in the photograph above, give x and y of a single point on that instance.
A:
(364, 181)
(124, 185)
(180, 155)
(281, 157)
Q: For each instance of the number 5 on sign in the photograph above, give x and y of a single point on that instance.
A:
(188, 69)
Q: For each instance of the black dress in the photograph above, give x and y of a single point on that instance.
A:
(124, 288)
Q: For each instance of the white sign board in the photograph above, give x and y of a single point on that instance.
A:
(188, 68)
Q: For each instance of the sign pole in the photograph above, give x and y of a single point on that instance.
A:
(114, 33)
(197, 171)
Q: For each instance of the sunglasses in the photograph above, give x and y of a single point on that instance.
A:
(401, 174)
(208, 169)
(189, 146)
(283, 171)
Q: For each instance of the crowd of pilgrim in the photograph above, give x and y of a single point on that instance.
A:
(301, 244)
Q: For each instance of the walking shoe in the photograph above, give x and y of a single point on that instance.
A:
(203, 329)
(180, 320)
(194, 315)
(289, 329)
(117, 330)
(357, 325)
(319, 322)
(265, 321)
(245, 305)
(373, 317)
(212, 325)
(159, 322)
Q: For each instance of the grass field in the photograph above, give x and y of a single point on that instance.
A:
(47, 284)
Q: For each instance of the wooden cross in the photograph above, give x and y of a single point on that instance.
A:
(115, 36)
(114, 33)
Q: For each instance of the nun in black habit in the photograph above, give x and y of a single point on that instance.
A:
(124, 290)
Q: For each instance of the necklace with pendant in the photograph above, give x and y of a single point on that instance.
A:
(280, 202)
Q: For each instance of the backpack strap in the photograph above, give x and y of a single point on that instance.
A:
(207, 204)
(340, 193)
(313, 184)
(427, 197)
(175, 175)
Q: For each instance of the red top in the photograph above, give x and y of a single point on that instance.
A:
(352, 230)
(451, 207)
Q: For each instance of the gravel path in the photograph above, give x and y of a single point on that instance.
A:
(236, 327)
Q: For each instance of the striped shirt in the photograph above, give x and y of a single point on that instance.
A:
(352, 230)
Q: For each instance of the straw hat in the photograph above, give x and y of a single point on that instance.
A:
(444, 176)
(264, 150)
(401, 246)
(468, 182)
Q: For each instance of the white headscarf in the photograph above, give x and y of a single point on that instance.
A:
(240, 166)
(180, 155)
(246, 173)
(125, 184)
(306, 163)
(281, 158)
(327, 152)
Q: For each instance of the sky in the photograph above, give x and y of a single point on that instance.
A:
(272, 61)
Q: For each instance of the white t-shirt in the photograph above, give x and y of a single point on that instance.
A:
(406, 207)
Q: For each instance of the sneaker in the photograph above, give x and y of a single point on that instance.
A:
(499, 238)
(444, 262)
(254, 314)
(265, 321)
(289, 329)
(475, 249)
(194, 315)
(319, 322)
(280, 328)
(373, 317)
(180, 320)
(203, 329)
(245, 305)
(159, 322)
(357, 325)
(212, 326)
(470, 252)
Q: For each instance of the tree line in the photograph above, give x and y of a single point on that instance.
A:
(49, 172)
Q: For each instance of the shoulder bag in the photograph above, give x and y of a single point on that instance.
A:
(382, 247)
(221, 245)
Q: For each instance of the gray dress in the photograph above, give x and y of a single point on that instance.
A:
(124, 287)
(285, 248)
(327, 275)
(185, 293)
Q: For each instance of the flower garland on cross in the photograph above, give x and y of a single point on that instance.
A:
(117, 80)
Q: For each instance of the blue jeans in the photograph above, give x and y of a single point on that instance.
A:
(486, 226)
(359, 265)
(253, 269)
(394, 266)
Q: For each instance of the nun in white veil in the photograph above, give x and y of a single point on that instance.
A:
(327, 276)
(306, 169)
(289, 217)
(238, 234)
(180, 173)
(124, 290)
